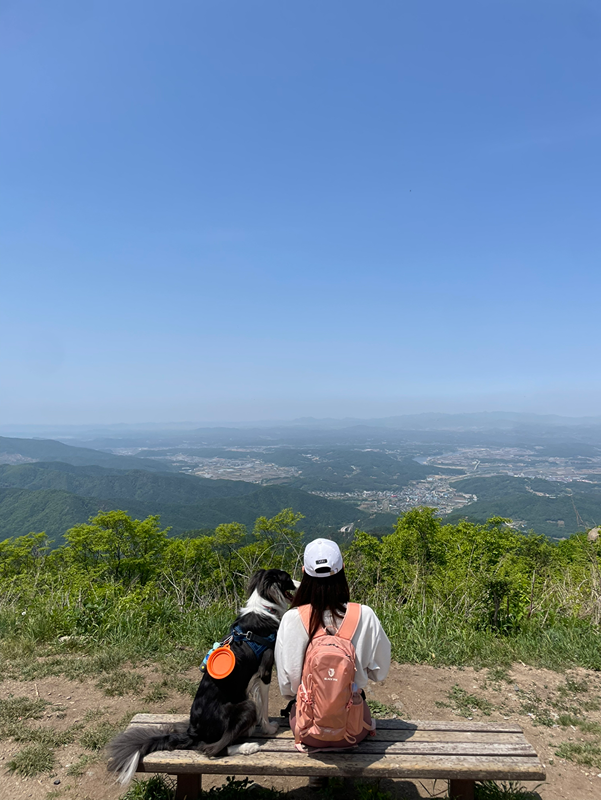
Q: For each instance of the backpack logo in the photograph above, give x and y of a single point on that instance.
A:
(331, 673)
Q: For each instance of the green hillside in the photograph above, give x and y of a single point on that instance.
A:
(55, 511)
(542, 514)
(23, 511)
(52, 497)
(139, 485)
(49, 450)
(319, 512)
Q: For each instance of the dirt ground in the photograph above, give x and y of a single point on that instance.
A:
(534, 698)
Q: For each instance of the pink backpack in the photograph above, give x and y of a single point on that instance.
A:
(328, 705)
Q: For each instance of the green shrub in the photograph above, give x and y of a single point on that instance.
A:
(155, 788)
(489, 790)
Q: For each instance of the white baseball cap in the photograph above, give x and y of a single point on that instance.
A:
(322, 558)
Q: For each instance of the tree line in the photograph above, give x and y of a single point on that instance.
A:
(433, 579)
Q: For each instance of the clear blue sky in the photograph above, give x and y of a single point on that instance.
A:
(251, 209)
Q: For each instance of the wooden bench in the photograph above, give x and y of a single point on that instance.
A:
(461, 752)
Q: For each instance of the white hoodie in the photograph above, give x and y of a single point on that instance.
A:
(372, 648)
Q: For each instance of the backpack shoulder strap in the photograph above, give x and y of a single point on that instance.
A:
(350, 621)
(305, 615)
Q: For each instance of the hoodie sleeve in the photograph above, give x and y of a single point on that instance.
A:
(290, 646)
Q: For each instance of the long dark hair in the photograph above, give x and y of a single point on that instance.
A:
(322, 594)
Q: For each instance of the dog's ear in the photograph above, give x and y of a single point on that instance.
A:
(254, 581)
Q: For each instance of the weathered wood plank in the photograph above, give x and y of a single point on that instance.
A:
(374, 747)
(356, 765)
(285, 734)
(418, 736)
(382, 724)
(427, 734)
(447, 725)
(158, 719)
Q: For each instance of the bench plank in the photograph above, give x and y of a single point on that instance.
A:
(422, 748)
(382, 724)
(416, 736)
(285, 734)
(506, 767)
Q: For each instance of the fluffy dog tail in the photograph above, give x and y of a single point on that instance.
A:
(127, 748)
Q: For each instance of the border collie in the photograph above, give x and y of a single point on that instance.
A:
(223, 711)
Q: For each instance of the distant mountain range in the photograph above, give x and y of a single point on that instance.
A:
(428, 421)
(483, 420)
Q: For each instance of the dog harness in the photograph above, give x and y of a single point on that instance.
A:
(258, 644)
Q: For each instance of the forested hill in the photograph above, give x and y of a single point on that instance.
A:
(549, 507)
(139, 485)
(53, 497)
(15, 450)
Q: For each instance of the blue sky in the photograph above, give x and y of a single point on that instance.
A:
(250, 209)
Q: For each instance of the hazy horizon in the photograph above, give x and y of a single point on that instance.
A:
(560, 403)
(271, 211)
(324, 422)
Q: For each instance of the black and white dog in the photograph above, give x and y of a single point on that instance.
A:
(224, 710)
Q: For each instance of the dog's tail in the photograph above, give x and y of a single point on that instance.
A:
(127, 748)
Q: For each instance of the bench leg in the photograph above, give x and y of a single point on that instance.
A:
(188, 786)
(461, 790)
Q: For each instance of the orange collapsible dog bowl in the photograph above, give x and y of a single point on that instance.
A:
(221, 662)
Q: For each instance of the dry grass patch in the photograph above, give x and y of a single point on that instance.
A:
(33, 760)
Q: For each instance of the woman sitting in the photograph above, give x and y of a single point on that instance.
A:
(326, 650)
